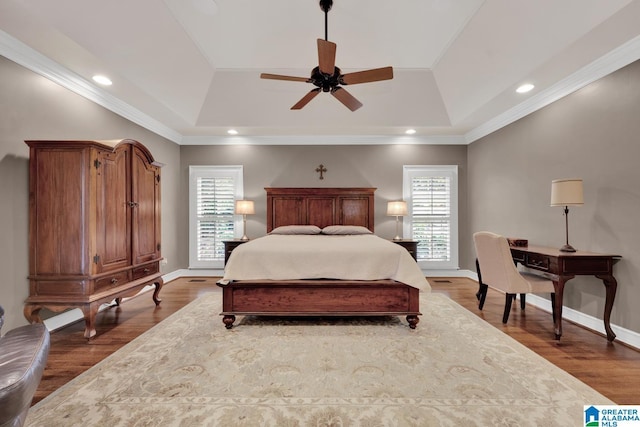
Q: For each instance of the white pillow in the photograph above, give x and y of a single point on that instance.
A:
(296, 229)
(345, 229)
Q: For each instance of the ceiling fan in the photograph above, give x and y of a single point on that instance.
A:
(327, 77)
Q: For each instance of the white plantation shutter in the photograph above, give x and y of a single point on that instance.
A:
(215, 201)
(431, 215)
(431, 195)
(213, 191)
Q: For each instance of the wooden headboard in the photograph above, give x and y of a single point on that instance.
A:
(320, 206)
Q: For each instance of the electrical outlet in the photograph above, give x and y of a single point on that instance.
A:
(163, 261)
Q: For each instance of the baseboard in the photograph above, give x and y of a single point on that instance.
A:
(450, 273)
(191, 272)
(625, 336)
(68, 317)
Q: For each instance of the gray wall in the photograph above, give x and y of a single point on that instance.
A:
(505, 178)
(593, 134)
(32, 107)
(377, 166)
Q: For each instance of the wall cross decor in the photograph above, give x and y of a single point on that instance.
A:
(321, 169)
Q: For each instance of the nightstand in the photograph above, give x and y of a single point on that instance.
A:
(410, 245)
(229, 246)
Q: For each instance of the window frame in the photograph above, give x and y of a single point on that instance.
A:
(195, 172)
(451, 172)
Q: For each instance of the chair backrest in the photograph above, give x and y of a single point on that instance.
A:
(496, 264)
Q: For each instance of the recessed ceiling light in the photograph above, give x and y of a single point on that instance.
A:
(410, 131)
(232, 132)
(103, 80)
(525, 88)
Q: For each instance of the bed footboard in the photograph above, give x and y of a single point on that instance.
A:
(340, 298)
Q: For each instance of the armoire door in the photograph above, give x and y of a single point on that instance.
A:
(146, 208)
(113, 209)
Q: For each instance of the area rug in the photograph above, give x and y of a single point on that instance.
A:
(453, 370)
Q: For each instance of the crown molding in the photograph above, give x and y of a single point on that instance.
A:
(606, 64)
(22, 54)
(325, 140)
(29, 58)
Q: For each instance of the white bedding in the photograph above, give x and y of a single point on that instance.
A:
(350, 257)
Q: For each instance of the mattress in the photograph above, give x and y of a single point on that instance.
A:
(344, 257)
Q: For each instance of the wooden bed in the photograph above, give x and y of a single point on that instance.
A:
(319, 297)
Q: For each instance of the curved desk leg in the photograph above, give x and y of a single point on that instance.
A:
(611, 285)
(559, 287)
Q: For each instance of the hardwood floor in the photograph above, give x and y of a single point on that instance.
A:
(612, 369)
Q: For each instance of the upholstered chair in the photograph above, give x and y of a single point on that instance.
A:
(497, 270)
(23, 356)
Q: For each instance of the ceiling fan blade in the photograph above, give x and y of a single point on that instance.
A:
(326, 56)
(281, 77)
(377, 74)
(346, 98)
(305, 99)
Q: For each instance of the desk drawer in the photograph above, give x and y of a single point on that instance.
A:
(518, 256)
(538, 262)
(586, 265)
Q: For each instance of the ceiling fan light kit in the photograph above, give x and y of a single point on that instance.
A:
(327, 77)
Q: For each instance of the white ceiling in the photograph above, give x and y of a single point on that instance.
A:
(189, 69)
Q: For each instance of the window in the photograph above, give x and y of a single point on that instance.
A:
(212, 194)
(431, 193)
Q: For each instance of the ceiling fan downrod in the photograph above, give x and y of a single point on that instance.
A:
(325, 5)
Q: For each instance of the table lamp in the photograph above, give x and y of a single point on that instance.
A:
(567, 192)
(244, 208)
(397, 209)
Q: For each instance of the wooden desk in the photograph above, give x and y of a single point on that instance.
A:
(561, 267)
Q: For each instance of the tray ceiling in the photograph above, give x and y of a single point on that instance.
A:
(189, 69)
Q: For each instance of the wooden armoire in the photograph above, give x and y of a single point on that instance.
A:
(94, 225)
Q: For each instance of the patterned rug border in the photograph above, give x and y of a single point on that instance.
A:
(59, 397)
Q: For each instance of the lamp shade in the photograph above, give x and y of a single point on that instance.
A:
(245, 207)
(566, 192)
(398, 208)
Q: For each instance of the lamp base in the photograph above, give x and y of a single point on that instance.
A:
(567, 248)
(244, 228)
(397, 229)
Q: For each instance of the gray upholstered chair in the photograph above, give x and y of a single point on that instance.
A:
(497, 270)
(23, 356)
